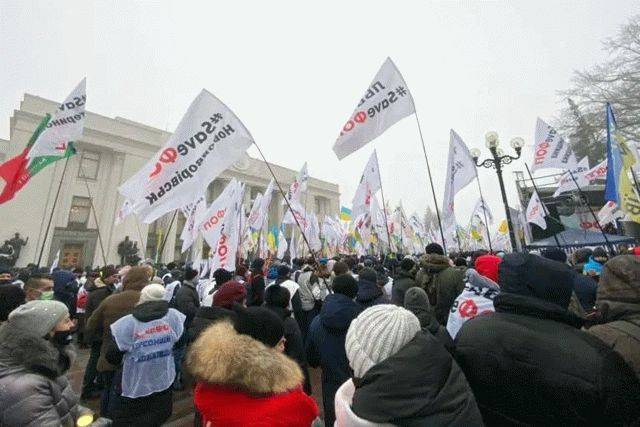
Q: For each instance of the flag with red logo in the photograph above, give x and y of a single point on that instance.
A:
(370, 183)
(551, 150)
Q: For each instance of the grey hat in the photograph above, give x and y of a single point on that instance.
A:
(152, 292)
(38, 317)
(378, 333)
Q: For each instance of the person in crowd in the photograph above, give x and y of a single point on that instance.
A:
(250, 382)
(11, 297)
(5, 276)
(401, 376)
(39, 287)
(325, 342)
(187, 302)
(112, 308)
(81, 305)
(442, 282)
(584, 287)
(417, 302)
(369, 293)
(405, 279)
(227, 295)
(618, 306)
(276, 299)
(284, 280)
(142, 344)
(340, 268)
(65, 289)
(220, 277)
(593, 267)
(255, 294)
(580, 257)
(530, 364)
(460, 262)
(34, 358)
(314, 288)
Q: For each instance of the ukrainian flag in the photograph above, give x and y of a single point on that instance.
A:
(345, 214)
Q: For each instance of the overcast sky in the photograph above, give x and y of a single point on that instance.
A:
(293, 72)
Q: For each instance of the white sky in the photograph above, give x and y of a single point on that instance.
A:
(293, 72)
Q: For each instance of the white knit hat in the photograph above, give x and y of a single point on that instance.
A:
(377, 333)
(152, 292)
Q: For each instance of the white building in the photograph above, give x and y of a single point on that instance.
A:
(110, 151)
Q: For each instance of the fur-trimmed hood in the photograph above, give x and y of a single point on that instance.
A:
(224, 357)
(434, 263)
(21, 351)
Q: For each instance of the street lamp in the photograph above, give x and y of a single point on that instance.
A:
(497, 161)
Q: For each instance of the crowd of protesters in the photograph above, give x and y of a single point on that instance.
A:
(427, 339)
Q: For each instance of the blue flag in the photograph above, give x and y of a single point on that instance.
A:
(614, 159)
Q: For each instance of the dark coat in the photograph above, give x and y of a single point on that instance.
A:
(325, 346)
(34, 390)
(96, 293)
(401, 283)
(205, 317)
(417, 302)
(255, 291)
(65, 289)
(586, 289)
(370, 294)
(187, 301)
(442, 282)
(421, 385)
(528, 363)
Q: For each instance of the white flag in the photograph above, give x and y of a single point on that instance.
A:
(551, 150)
(208, 140)
(194, 214)
(255, 213)
(65, 126)
(298, 213)
(480, 210)
(566, 182)
(265, 201)
(124, 212)
(55, 262)
(370, 183)
(298, 185)
(227, 246)
(216, 214)
(378, 222)
(461, 170)
(282, 244)
(599, 171)
(609, 213)
(536, 212)
(386, 101)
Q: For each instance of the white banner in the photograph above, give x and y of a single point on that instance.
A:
(480, 210)
(282, 244)
(265, 201)
(227, 246)
(461, 170)
(216, 214)
(386, 101)
(599, 171)
(298, 185)
(551, 150)
(566, 182)
(536, 212)
(124, 212)
(370, 183)
(208, 140)
(65, 126)
(609, 213)
(255, 213)
(194, 214)
(298, 212)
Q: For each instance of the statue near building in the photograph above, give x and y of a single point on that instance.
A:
(10, 251)
(128, 252)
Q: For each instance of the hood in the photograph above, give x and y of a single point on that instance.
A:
(22, 352)
(150, 310)
(619, 288)
(61, 278)
(487, 266)
(221, 356)
(368, 291)
(282, 313)
(475, 279)
(434, 263)
(534, 307)
(215, 313)
(404, 274)
(338, 311)
(417, 302)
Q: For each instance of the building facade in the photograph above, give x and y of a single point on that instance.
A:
(110, 151)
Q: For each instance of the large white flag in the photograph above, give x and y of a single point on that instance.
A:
(370, 183)
(282, 244)
(551, 150)
(386, 101)
(566, 182)
(124, 212)
(255, 213)
(208, 140)
(296, 212)
(536, 212)
(224, 255)
(65, 126)
(298, 185)
(480, 210)
(265, 201)
(194, 214)
(461, 170)
(216, 214)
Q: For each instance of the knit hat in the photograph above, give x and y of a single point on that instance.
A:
(487, 266)
(378, 333)
(434, 248)
(153, 292)
(346, 285)
(259, 323)
(38, 317)
(229, 293)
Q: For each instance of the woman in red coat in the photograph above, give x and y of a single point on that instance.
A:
(243, 379)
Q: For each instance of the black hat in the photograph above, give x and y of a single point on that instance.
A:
(259, 323)
(407, 264)
(283, 271)
(190, 273)
(434, 248)
(257, 264)
(11, 297)
(368, 274)
(346, 285)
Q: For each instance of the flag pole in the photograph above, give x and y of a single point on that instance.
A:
(286, 201)
(166, 236)
(484, 211)
(384, 205)
(53, 208)
(95, 217)
(586, 202)
(544, 208)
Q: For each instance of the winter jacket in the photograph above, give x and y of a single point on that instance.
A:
(154, 408)
(442, 282)
(417, 302)
(249, 384)
(34, 390)
(187, 301)
(312, 289)
(528, 363)
(619, 304)
(65, 289)
(370, 294)
(255, 290)
(205, 317)
(98, 327)
(325, 346)
(586, 290)
(475, 299)
(97, 291)
(401, 283)
(421, 385)
(592, 265)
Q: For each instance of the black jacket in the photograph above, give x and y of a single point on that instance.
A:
(586, 289)
(528, 363)
(370, 294)
(421, 385)
(187, 301)
(403, 281)
(205, 317)
(418, 304)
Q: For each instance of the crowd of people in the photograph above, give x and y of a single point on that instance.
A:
(428, 339)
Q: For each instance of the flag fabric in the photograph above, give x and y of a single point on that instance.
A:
(65, 126)
(55, 262)
(608, 213)
(566, 182)
(296, 212)
(225, 253)
(461, 170)
(599, 171)
(386, 101)
(298, 185)
(17, 172)
(551, 150)
(255, 213)
(216, 213)
(614, 159)
(370, 183)
(265, 202)
(481, 209)
(345, 214)
(536, 212)
(194, 214)
(282, 245)
(208, 140)
(124, 212)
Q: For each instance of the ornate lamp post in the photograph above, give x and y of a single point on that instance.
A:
(497, 161)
